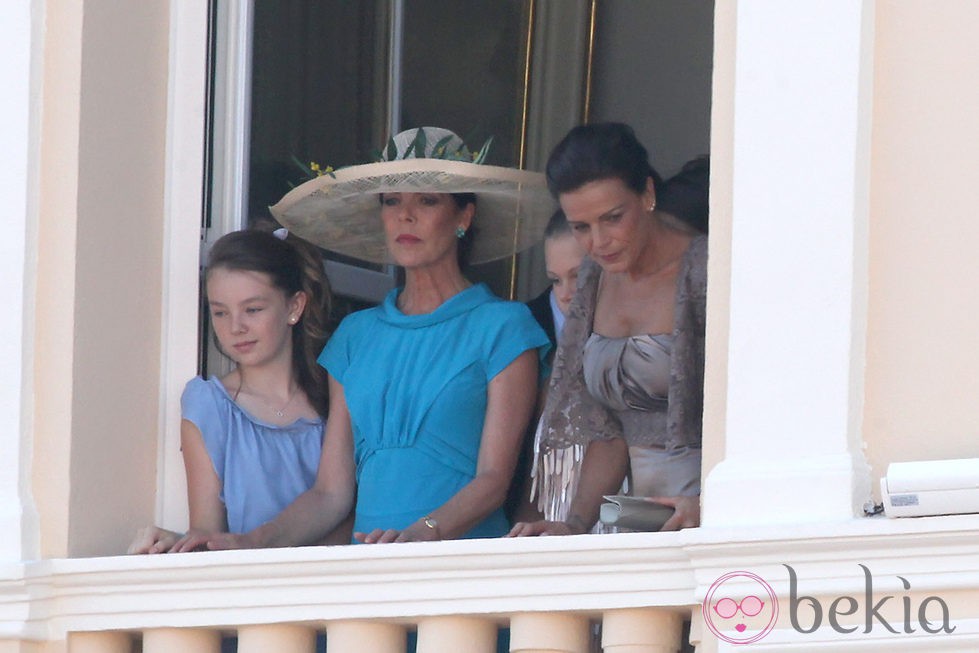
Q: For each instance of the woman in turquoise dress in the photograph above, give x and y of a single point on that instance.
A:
(431, 391)
(435, 399)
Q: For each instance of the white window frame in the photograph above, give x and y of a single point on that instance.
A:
(183, 203)
(186, 177)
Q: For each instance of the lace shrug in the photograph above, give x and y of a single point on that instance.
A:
(572, 417)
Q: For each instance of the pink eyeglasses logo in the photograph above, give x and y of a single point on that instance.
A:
(750, 606)
(740, 608)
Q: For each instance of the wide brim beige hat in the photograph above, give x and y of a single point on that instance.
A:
(341, 211)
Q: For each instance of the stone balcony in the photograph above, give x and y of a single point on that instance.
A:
(550, 592)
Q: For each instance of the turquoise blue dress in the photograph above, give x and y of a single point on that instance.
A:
(262, 467)
(416, 388)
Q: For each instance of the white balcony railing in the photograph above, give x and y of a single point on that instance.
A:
(548, 591)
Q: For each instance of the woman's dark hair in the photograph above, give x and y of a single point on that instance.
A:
(608, 150)
(685, 195)
(292, 265)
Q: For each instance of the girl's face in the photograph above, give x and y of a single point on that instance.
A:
(611, 222)
(562, 257)
(252, 318)
(420, 228)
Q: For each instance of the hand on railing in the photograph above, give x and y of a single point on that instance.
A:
(417, 532)
(543, 527)
(195, 540)
(225, 541)
(153, 539)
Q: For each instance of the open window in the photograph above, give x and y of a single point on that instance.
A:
(328, 81)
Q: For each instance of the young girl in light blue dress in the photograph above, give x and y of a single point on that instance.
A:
(252, 440)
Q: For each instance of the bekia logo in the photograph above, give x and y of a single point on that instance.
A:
(746, 618)
(741, 608)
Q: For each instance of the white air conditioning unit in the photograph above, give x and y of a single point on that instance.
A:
(931, 487)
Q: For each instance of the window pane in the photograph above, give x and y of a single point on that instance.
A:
(463, 69)
(319, 81)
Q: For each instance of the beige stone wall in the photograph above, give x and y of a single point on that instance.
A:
(103, 134)
(922, 375)
(55, 281)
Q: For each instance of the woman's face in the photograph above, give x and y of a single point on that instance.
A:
(420, 228)
(610, 221)
(252, 318)
(562, 257)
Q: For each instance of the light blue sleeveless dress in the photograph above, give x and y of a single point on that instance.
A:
(262, 467)
(416, 388)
